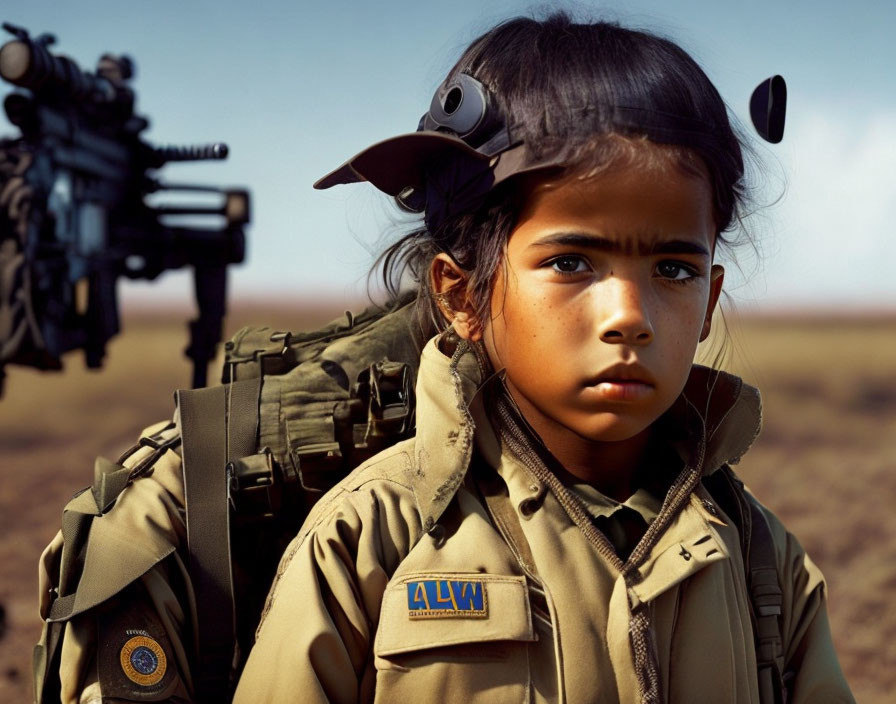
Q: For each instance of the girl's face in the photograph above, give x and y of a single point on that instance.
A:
(608, 286)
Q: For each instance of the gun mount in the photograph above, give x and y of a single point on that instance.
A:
(75, 214)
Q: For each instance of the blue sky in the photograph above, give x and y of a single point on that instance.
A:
(295, 88)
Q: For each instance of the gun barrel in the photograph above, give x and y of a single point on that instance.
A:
(199, 152)
(27, 64)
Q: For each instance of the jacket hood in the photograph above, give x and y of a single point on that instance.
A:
(716, 412)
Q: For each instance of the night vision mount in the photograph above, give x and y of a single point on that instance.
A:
(464, 147)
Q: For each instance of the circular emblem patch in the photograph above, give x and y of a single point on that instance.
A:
(143, 661)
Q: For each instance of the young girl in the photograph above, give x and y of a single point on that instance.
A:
(548, 535)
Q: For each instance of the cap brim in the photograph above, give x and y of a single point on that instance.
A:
(396, 163)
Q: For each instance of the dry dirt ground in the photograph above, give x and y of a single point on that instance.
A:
(826, 461)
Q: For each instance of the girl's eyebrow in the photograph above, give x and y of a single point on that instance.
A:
(626, 246)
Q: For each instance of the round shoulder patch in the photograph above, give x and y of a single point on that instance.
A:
(143, 661)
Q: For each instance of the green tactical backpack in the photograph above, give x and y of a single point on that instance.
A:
(294, 415)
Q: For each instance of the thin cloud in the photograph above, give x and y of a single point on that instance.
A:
(835, 236)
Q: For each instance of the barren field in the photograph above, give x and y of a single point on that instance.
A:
(825, 462)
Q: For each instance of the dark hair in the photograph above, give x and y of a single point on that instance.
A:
(591, 95)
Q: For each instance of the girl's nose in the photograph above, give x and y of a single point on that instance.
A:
(626, 317)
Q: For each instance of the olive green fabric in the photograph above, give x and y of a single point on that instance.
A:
(205, 454)
(306, 374)
(338, 625)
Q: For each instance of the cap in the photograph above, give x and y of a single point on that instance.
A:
(464, 147)
(401, 162)
(398, 162)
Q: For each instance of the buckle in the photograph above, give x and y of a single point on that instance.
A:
(250, 481)
(263, 350)
(391, 407)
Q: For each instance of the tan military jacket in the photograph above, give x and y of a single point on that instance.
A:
(133, 592)
(403, 587)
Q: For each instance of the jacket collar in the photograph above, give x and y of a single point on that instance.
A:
(444, 440)
(722, 411)
(715, 408)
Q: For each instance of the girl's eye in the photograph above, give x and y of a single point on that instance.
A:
(569, 265)
(675, 271)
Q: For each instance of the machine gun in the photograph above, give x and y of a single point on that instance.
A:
(74, 214)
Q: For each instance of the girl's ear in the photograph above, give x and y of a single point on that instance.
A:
(716, 278)
(448, 282)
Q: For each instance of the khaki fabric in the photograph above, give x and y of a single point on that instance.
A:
(339, 626)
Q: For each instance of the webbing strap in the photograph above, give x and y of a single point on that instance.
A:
(45, 660)
(761, 570)
(767, 599)
(242, 418)
(62, 607)
(206, 452)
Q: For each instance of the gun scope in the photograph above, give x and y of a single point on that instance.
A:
(30, 65)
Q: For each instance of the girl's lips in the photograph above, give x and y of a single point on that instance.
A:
(623, 373)
(621, 389)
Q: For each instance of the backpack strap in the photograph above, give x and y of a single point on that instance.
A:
(218, 424)
(767, 598)
(761, 570)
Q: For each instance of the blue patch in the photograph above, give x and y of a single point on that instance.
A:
(144, 660)
(447, 598)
